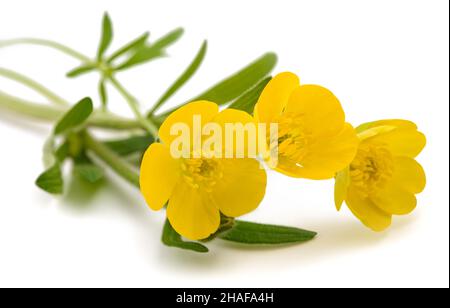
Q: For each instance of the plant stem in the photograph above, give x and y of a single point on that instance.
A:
(120, 166)
(52, 97)
(55, 45)
(54, 113)
(134, 105)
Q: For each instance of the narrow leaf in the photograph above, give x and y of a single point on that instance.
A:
(144, 54)
(253, 233)
(185, 76)
(168, 39)
(155, 50)
(239, 83)
(130, 145)
(135, 44)
(172, 239)
(102, 93)
(106, 36)
(75, 116)
(249, 99)
(80, 70)
(51, 180)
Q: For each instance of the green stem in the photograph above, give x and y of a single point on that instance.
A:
(134, 105)
(52, 44)
(52, 97)
(122, 167)
(54, 113)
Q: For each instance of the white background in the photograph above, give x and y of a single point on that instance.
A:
(383, 59)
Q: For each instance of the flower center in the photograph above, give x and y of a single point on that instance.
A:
(372, 168)
(292, 137)
(202, 172)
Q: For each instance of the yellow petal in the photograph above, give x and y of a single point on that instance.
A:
(395, 200)
(242, 187)
(159, 175)
(409, 174)
(206, 110)
(401, 141)
(321, 110)
(393, 122)
(191, 213)
(328, 155)
(325, 156)
(236, 121)
(369, 214)
(275, 96)
(341, 187)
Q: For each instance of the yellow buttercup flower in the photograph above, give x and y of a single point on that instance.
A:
(197, 189)
(313, 140)
(384, 177)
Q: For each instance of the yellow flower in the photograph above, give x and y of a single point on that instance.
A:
(383, 178)
(314, 141)
(198, 189)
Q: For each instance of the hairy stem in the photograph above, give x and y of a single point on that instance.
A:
(115, 162)
(52, 97)
(134, 105)
(54, 113)
(52, 44)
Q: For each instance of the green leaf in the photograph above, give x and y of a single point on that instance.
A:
(89, 172)
(75, 116)
(80, 70)
(130, 145)
(155, 50)
(102, 93)
(106, 37)
(261, 234)
(185, 76)
(249, 99)
(172, 239)
(168, 39)
(135, 44)
(239, 83)
(51, 180)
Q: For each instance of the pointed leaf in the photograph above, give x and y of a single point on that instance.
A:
(249, 99)
(172, 239)
(185, 76)
(75, 116)
(237, 84)
(106, 37)
(102, 93)
(130, 145)
(135, 44)
(51, 180)
(155, 50)
(262, 234)
(80, 70)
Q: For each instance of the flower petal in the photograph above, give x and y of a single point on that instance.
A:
(206, 110)
(324, 158)
(395, 200)
(392, 122)
(242, 187)
(329, 155)
(409, 174)
(191, 213)
(341, 187)
(159, 175)
(401, 141)
(237, 120)
(275, 96)
(369, 214)
(322, 111)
